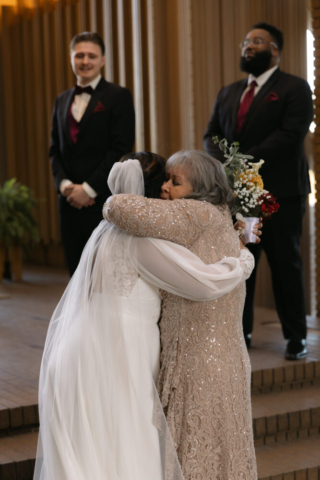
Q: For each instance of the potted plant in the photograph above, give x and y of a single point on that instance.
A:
(18, 226)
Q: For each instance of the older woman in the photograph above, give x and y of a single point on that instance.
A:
(204, 382)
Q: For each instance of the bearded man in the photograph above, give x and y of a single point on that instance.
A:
(269, 114)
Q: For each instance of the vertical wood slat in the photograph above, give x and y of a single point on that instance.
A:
(138, 74)
(173, 99)
(28, 105)
(152, 75)
(108, 34)
(316, 150)
(93, 15)
(158, 81)
(40, 126)
(49, 95)
(8, 18)
(121, 43)
(19, 100)
(186, 73)
(3, 168)
(68, 35)
(207, 77)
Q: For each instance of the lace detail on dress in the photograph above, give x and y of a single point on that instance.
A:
(121, 269)
(247, 262)
(204, 382)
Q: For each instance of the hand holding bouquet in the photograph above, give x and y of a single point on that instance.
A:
(251, 199)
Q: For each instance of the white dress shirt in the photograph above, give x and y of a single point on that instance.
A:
(261, 80)
(78, 108)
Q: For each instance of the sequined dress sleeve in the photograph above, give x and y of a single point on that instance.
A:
(180, 221)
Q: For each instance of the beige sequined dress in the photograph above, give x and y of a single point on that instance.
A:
(204, 382)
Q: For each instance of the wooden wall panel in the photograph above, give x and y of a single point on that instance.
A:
(107, 32)
(140, 94)
(174, 56)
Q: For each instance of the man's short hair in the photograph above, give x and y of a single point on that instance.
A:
(88, 37)
(275, 33)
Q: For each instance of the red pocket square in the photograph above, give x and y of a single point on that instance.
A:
(272, 97)
(99, 108)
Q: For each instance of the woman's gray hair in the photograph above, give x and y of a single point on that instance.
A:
(206, 175)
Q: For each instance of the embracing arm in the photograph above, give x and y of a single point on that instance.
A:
(175, 269)
(180, 221)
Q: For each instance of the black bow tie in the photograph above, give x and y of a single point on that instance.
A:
(78, 90)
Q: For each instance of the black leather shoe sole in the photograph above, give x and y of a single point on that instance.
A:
(296, 349)
(296, 356)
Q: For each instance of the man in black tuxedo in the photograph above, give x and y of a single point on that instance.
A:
(270, 118)
(93, 126)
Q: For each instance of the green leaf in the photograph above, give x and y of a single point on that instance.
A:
(18, 225)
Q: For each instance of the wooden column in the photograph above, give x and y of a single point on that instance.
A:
(316, 149)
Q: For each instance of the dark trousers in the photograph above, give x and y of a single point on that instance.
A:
(281, 241)
(76, 227)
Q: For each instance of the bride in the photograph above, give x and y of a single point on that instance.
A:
(100, 414)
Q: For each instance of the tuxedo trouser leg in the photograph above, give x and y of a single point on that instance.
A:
(281, 242)
(76, 227)
(248, 311)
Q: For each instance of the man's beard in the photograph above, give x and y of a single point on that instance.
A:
(258, 64)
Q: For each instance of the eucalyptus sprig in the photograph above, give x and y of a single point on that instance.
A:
(236, 162)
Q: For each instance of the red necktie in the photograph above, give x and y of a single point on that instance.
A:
(244, 105)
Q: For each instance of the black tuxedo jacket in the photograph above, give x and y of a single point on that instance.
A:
(274, 128)
(104, 137)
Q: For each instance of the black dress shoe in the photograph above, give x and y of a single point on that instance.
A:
(247, 339)
(296, 349)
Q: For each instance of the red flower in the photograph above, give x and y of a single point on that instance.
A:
(268, 206)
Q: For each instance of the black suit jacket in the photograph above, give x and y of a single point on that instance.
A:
(104, 137)
(275, 126)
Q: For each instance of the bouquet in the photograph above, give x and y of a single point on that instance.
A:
(251, 199)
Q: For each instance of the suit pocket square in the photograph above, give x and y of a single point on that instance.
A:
(99, 108)
(272, 97)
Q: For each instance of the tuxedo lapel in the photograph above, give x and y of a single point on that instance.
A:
(240, 87)
(65, 113)
(97, 94)
(254, 107)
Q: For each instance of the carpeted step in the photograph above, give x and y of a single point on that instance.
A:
(285, 377)
(17, 417)
(286, 416)
(297, 460)
(17, 456)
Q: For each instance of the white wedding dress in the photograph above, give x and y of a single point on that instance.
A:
(100, 414)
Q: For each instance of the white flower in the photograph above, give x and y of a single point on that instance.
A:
(256, 166)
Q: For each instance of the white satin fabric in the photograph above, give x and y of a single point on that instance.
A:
(100, 414)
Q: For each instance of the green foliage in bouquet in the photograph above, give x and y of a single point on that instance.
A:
(245, 182)
(236, 161)
(18, 225)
